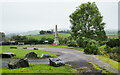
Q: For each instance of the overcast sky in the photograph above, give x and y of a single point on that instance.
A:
(21, 16)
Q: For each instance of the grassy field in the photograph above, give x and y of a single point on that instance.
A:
(38, 37)
(41, 68)
(20, 53)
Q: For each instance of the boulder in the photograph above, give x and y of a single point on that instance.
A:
(13, 47)
(31, 55)
(24, 47)
(56, 62)
(45, 55)
(7, 55)
(35, 48)
(18, 64)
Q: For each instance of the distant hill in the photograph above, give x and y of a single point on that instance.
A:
(36, 32)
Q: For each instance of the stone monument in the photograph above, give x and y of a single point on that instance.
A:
(56, 40)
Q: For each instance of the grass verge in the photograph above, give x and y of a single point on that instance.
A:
(41, 68)
(101, 68)
(113, 63)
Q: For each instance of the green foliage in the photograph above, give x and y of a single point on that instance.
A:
(2, 36)
(71, 43)
(18, 38)
(87, 22)
(82, 42)
(41, 68)
(62, 40)
(91, 48)
(113, 43)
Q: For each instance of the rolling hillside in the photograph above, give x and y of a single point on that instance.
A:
(39, 37)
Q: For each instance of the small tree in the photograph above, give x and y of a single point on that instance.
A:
(87, 22)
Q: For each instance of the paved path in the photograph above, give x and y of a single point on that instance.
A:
(77, 59)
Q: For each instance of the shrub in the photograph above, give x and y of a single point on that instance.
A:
(113, 43)
(102, 43)
(71, 43)
(50, 41)
(6, 43)
(91, 48)
(82, 42)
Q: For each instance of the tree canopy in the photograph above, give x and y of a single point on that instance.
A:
(87, 22)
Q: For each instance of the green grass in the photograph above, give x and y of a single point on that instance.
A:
(113, 63)
(39, 37)
(98, 67)
(46, 45)
(41, 68)
(20, 53)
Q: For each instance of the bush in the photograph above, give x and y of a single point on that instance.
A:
(71, 43)
(107, 49)
(82, 42)
(50, 41)
(113, 43)
(6, 43)
(91, 48)
(102, 43)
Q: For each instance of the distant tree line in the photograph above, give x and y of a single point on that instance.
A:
(17, 38)
(64, 31)
(50, 32)
(45, 32)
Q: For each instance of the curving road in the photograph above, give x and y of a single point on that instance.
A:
(77, 59)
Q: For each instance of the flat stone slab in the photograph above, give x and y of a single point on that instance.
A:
(13, 47)
(24, 47)
(45, 55)
(35, 48)
(7, 55)
(56, 62)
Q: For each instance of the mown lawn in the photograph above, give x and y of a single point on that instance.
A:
(41, 68)
(20, 53)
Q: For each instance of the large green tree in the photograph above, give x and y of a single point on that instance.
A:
(87, 22)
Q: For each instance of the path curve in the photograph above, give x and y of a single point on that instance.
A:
(77, 59)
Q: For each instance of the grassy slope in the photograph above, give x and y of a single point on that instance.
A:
(38, 37)
(98, 67)
(104, 58)
(20, 53)
(41, 68)
(113, 63)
